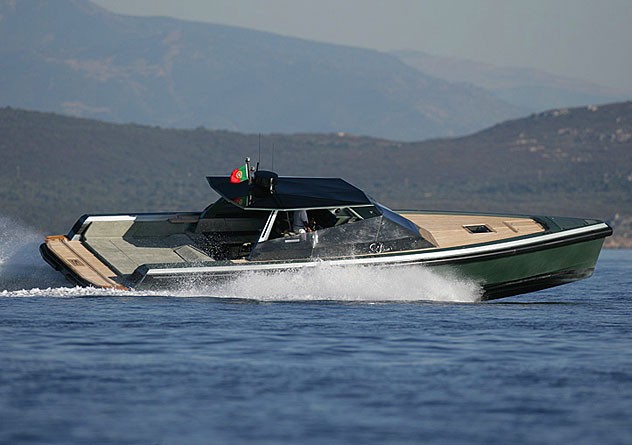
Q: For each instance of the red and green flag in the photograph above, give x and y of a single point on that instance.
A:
(239, 175)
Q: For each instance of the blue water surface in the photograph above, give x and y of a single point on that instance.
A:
(549, 367)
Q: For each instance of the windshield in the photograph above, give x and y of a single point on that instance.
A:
(397, 218)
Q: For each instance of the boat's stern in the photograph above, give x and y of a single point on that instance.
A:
(78, 264)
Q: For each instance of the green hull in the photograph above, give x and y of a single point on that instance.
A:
(521, 272)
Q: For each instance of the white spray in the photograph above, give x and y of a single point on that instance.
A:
(351, 283)
(21, 265)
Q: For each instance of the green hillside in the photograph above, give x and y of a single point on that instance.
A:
(575, 162)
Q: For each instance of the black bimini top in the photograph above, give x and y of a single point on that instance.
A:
(290, 193)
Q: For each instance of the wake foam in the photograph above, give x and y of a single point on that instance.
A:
(21, 266)
(23, 273)
(358, 283)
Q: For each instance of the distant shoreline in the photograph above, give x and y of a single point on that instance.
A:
(618, 242)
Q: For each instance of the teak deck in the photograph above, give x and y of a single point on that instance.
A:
(82, 262)
(446, 230)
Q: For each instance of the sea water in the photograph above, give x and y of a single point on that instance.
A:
(329, 356)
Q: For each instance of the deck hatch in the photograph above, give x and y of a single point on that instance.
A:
(478, 228)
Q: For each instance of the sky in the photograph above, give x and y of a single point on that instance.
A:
(583, 39)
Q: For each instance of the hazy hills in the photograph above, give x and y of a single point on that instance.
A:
(529, 89)
(564, 162)
(73, 57)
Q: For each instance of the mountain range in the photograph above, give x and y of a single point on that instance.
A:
(74, 57)
(526, 88)
(567, 162)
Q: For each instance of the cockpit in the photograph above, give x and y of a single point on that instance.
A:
(340, 220)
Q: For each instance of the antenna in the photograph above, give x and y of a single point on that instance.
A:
(272, 156)
(259, 150)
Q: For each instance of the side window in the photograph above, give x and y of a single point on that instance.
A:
(321, 218)
(354, 214)
(282, 225)
(343, 216)
(366, 212)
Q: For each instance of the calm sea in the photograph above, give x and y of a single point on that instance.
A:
(332, 357)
